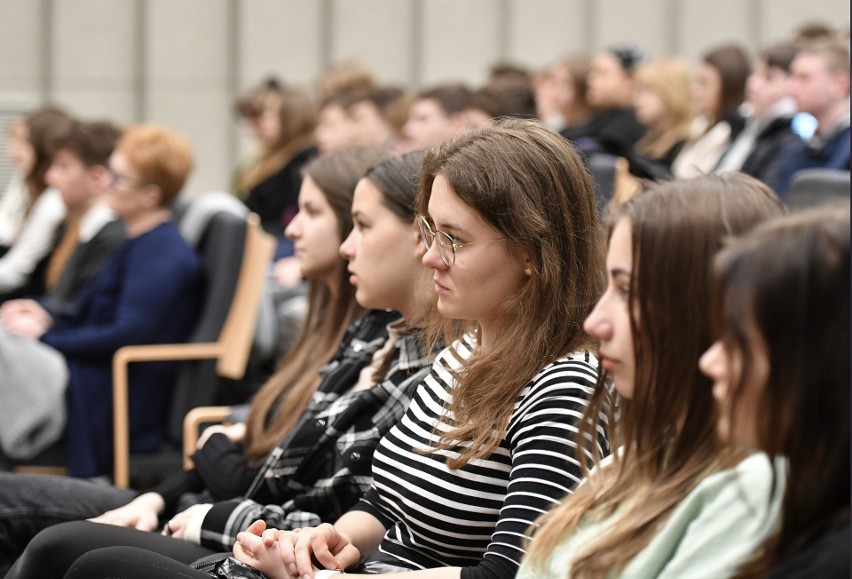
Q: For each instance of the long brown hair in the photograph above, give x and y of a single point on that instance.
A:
(531, 185)
(278, 405)
(790, 281)
(45, 127)
(297, 115)
(666, 433)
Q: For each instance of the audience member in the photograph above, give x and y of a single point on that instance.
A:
(719, 91)
(362, 393)
(272, 184)
(781, 378)
(377, 116)
(612, 127)
(768, 128)
(436, 115)
(819, 83)
(561, 93)
(670, 501)
(14, 200)
(22, 266)
(335, 129)
(148, 293)
(343, 78)
(809, 32)
(501, 98)
(258, 112)
(662, 103)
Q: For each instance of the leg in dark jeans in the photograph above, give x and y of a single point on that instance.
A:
(30, 503)
(130, 563)
(52, 552)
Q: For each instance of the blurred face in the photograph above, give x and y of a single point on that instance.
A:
(384, 254)
(651, 109)
(315, 234)
(475, 118)
(813, 87)
(609, 322)
(765, 86)
(427, 124)
(20, 150)
(725, 368)
(484, 273)
(369, 128)
(127, 194)
(609, 86)
(706, 89)
(334, 129)
(79, 185)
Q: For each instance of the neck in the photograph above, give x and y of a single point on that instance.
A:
(147, 222)
(828, 119)
(489, 331)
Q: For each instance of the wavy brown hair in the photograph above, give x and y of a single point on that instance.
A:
(666, 432)
(297, 114)
(531, 185)
(280, 402)
(790, 281)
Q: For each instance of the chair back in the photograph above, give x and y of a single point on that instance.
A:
(812, 187)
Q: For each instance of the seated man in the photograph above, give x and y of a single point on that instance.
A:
(819, 83)
(148, 293)
(91, 231)
(436, 115)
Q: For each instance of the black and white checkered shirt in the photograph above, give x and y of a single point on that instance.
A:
(324, 466)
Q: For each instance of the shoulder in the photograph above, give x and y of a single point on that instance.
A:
(576, 371)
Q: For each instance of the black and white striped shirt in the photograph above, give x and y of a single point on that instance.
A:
(476, 517)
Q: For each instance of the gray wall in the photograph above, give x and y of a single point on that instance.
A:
(182, 62)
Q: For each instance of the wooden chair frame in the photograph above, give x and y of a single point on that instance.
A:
(231, 350)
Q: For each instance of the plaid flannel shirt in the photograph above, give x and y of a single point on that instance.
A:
(324, 466)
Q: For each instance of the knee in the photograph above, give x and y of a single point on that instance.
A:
(48, 554)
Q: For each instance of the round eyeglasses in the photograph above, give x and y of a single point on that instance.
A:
(447, 246)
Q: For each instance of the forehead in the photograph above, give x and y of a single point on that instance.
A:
(620, 250)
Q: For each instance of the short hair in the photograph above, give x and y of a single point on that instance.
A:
(392, 103)
(505, 97)
(90, 141)
(162, 156)
(835, 54)
(450, 97)
(779, 56)
(627, 55)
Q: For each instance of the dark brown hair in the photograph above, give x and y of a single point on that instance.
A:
(732, 64)
(450, 97)
(45, 127)
(531, 185)
(666, 432)
(90, 141)
(278, 405)
(790, 281)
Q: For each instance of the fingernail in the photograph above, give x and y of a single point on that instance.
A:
(291, 569)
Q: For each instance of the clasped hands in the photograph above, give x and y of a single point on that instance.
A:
(291, 554)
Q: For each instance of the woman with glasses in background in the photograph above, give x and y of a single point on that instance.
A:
(148, 293)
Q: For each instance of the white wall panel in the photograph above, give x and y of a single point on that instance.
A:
(279, 37)
(375, 32)
(21, 39)
(542, 31)
(616, 22)
(460, 40)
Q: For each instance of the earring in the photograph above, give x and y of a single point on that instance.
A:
(528, 271)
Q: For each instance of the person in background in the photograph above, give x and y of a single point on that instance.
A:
(819, 84)
(663, 104)
(14, 199)
(670, 502)
(560, 93)
(768, 127)
(377, 116)
(22, 265)
(718, 91)
(436, 115)
(271, 186)
(501, 98)
(780, 370)
(149, 292)
(257, 112)
(346, 77)
(612, 127)
(91, 231)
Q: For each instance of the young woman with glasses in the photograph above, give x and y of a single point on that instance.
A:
(670, 501)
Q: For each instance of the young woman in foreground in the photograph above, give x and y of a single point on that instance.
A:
(646, 512)
(781, 377)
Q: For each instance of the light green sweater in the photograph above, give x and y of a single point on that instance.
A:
(713, 531)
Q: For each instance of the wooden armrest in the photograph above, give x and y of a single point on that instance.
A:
(192, 423)
(120, 361)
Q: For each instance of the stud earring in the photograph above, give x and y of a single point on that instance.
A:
(528, 271)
